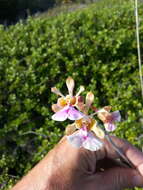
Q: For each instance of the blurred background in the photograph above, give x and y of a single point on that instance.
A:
(13, 10)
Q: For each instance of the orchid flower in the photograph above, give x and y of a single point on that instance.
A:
(68, 112)
(65, 107)
(89, 134)
(109, 118)
(86, 139)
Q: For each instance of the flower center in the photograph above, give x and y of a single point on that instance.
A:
(70, 100)
(85, 122)
(67, 101)
(62, 102)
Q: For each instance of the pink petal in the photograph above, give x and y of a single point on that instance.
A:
(61, 115)
(83, 132)
(116, 116)
(92, 143)
(110, 126)
(78, 137)
(74, 114)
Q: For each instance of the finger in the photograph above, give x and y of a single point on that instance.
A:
(116, 178)
(73, 157)
(108, 163)
(131, 152)
(120, 178)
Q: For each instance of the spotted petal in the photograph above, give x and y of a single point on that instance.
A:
(105, 116)
(92, 143)
(89, 99)
(74, 114)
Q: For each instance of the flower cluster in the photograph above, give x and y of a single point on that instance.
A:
(85, 131)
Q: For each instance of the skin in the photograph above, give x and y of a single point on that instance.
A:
(69, 168)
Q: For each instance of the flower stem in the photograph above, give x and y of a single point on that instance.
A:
(119, 151)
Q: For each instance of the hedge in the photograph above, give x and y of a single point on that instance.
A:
(96, 46)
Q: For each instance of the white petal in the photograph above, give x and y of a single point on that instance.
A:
(75, 140)
(89, 99)
(110, 126)
(81, 89)
(105, 109)
(102, 110)
(92, 143)
(56, 91)
(70, 85)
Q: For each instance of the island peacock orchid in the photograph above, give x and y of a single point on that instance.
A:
(89, 134)
(109, 118)
(66, 105)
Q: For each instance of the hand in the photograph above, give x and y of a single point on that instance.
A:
(79, 168)
(69, 168)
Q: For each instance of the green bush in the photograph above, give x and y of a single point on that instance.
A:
(96, 46)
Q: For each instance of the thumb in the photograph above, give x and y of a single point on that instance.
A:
(117, 179)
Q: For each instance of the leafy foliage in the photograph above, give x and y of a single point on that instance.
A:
(96, 46)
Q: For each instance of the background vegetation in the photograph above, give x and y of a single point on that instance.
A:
(13, 10)
(96, 46)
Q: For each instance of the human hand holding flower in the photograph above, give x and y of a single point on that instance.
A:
(87, 170)
(90, 133)
(69, 168)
